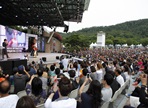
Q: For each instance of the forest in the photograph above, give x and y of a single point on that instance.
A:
(131, 32)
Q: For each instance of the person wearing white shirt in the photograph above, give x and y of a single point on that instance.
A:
(119, 78)
(106, 90)
(99, 72)
(6, 100)
(64, 101)
(65, 62)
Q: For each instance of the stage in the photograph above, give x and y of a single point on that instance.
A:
(50, 57)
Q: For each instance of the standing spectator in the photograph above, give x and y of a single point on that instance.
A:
(65, 62)
(6, 100)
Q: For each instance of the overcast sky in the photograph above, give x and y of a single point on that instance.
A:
(110, 12)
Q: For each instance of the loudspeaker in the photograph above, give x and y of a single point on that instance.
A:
(44, 59)
(6, 66)
(57, 57)
(17, 63)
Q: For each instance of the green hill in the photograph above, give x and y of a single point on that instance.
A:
(131, 32)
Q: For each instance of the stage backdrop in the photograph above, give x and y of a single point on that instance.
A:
(14, 37)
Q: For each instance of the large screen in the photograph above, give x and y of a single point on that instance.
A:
(15, 38)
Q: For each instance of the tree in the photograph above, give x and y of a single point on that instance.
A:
(144, 41)
(109, 42)
(76, 42)
(129, 42)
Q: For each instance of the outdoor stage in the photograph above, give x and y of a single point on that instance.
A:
(50, 57)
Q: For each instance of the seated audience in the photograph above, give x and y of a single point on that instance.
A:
(7, 100)
(74, 81)
(119, 78)
(93, 97)
(93, 73)
(25, 102)
(63, 101)
(143, 95)
(114, 85)
(106, 90)
(82, 79)
(35, 91)
(44, 80)
(100, 73)
(20, 79)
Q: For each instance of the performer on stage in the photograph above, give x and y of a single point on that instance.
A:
(4, 51)
(34, 49)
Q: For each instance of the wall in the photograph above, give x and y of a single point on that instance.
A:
(49, 47)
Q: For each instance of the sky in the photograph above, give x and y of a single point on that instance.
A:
(110, 12)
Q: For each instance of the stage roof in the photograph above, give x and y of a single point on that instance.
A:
(41, 12)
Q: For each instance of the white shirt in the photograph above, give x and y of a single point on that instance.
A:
(66, 75)
(120, 80)
(99, 75)
(65, 63)
(107, 94)
(9, 101)
(65, 103)
(126, 75)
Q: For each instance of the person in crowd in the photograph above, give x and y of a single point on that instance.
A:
(20, 79)
(99, 71)
(82, 79)
(119, 78)
(52, 71)
(2, 74)
(143, 95)
(25, 102)
(114, 85)
(63, 101)
(44, 80)
(57, 71)
(75, 66)
(45, 71)
(7, 100)
(61, 68)
(93, 73)
(126, 71)
(35, 91)
(74, 81)
(65, 62)
(82, 66)
(93, 97)
(106, 90)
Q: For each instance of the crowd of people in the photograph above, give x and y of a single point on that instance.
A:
(103, 70)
